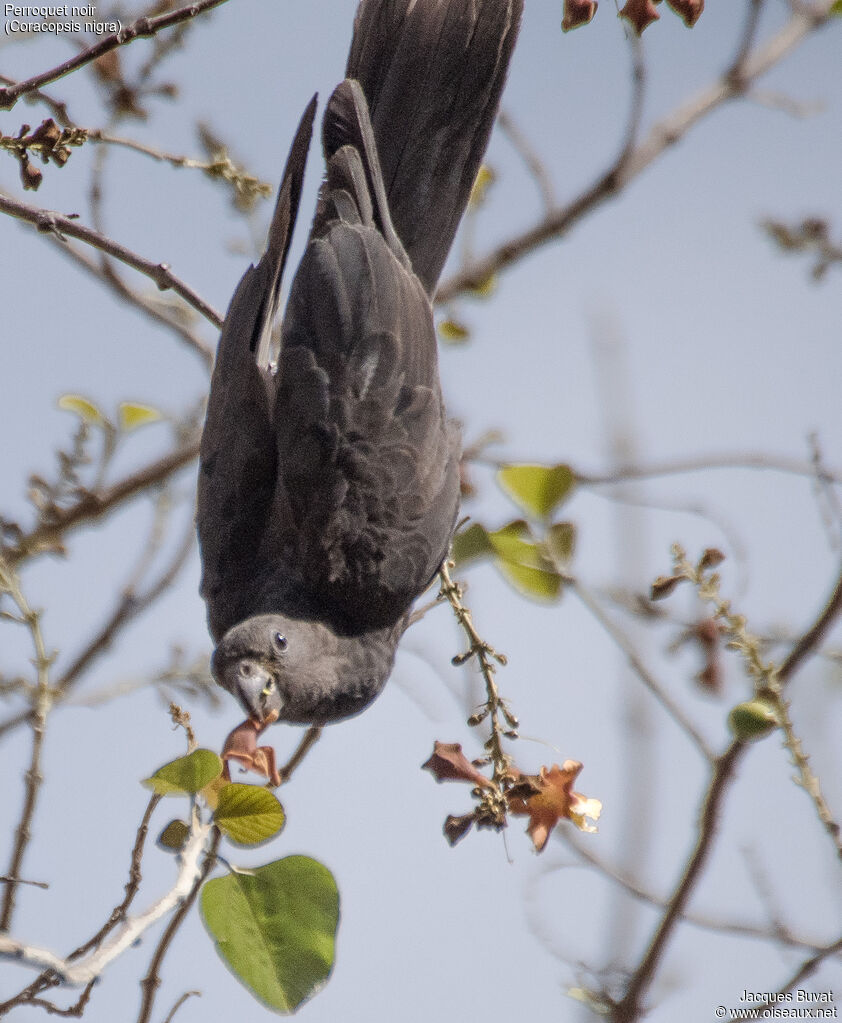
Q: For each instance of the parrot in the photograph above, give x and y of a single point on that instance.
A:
(329, 471)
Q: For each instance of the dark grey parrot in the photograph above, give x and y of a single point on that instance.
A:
(329, 475)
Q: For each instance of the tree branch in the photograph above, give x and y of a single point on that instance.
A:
(173, 319)
(642, 672)
(129, 605)
(93, 505)
(91, 966)
(775, 933)
(806, 969)
(49, 222)
(142, 28)
(149, 984)
(634, 159)
(38, 719)
(629, 1008)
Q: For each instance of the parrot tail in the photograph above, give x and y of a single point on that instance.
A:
(432, 72)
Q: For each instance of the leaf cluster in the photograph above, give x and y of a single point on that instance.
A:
(275, 925)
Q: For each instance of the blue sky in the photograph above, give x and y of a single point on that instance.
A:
(721, 345)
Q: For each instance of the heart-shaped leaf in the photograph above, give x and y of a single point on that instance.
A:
(248, 814)
(187, 775)
(276, 928)
(538, 489)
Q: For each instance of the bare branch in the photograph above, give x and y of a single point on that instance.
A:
(179, 1003)
(91, 966)
(309, 739)
(806, 969)
(142, 28)
(129, 605)
(222, 167)
(38, 719)
(105, 272)
(118, 914)
(57, 107)
(93, 505)
(634, 159)
(811, 639)
(149, 984)
(704, 463)
(775, 934)
(49, 222)
(630, 1006)
(533, 162)
(624, 643)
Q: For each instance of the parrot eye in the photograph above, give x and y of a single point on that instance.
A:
(280, 641)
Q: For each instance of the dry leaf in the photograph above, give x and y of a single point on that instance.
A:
(449, 763)
(553, 800)
(241, 745)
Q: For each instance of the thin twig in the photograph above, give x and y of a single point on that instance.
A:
(92, 506)
(142, 28)
(647, 678)
(179, 1003)
(704, 463)
(38, 719)
(130, 604)
(630, 1006)
(150, 983)
(810, 640)
(118, 914)
(637, 891)
(630, 163)
(57, 107)
(91, 966)
(221, 168)
(747, 40)
(5, 879)
(309, 739)
(75, 1010)
(104, 271)
(49, 222)
(806, 969)
(527, 153)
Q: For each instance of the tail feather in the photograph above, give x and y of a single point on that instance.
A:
(271, 266)
(432, 72)
(347, 126)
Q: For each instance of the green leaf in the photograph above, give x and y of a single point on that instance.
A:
(174, 836)
(453, 331)
(524, 562)
(484, 288)
(83, 408)
(133, 415)
(248, 814)
(561, 542)
(470, 544)
(542, 584)
(836, 7)
(276, 928)
(187, 775)
(753, 720)
(514, 542)
(538, 489)
(483, 181)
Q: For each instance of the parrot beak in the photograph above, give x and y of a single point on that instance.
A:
(255, 687)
